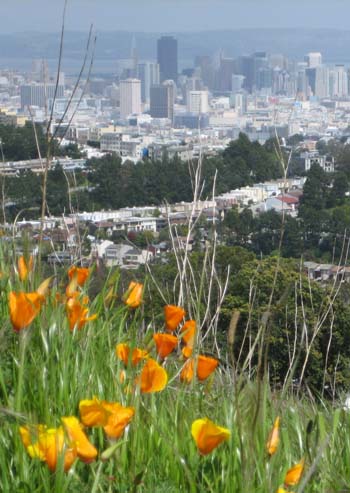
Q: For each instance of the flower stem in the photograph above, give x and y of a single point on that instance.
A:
(19, 389)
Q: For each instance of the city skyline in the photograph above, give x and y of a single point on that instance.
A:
(165, 16)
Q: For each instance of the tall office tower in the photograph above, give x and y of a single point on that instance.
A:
(264, 78)
(224, 75)
(302, 82)
(130, 97)
(246, 67)
(40, 70)
(283, 82)
(318, 79)
(167, 58)
(207, 73)
(39, 94)
(338, 82)
(313, 59)
(197, 102)
(237, 83)
(148, 73)
(260, 63)
(162, 100)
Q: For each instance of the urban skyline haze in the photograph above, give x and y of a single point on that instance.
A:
(173, 15)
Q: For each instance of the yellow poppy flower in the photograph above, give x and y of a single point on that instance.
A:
(84, 448)
(49, 445)
(274, 437)
(133, 296)
(153, 377)
(208, 435)
(112, 416)
(294, 474)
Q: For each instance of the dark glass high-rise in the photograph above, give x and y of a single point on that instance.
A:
(167, 58)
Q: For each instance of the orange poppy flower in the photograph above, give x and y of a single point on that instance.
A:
(274, 438)
(294, 474)
(49, 445)
(81, 274)
(77, 313)
(24, 307)
(173, 316)
(93, 412)
(24, 268)
(205, 366)
(133, 296)
(187, 351)
(165, 344)
(113, 417)
(122, 352)
(84, 448)
(187, 371)
(188, 332)
(208, 435)
(153, 377)
(118, 419)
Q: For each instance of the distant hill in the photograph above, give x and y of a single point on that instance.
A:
(113, 45)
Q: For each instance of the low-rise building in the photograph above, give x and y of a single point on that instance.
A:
(126, 256)
(325, 162)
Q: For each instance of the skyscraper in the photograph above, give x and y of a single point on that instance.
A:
(224, 75)
(39, 94)
(167, 58)
(162, 100)
(148, 73)
(318, 79)
(338, 82)
(130, 97)
(313, 59)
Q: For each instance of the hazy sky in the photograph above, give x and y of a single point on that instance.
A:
(173, 15)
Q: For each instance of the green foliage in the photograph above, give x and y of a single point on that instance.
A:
(19, 143)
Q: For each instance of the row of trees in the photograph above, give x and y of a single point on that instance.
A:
(109, 184)
(153, 182)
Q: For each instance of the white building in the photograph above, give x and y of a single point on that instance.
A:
(130, 97)
(241, 103)
(338, 82)
(197, 102)
(122, 144)
(325, 162)
(313, 59)
(321, 82)
(148, 73)
(126, 256)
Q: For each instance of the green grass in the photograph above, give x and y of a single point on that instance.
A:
(157, 453)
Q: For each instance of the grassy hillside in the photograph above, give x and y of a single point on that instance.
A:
(59, 359)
